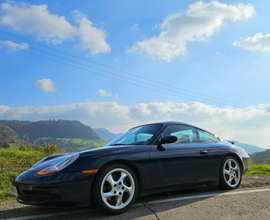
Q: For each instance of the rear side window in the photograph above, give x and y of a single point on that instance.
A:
(205, 137)
(184, 134)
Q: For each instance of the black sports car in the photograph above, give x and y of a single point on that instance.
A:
(146, 159)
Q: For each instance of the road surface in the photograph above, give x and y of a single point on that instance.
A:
(253, 203)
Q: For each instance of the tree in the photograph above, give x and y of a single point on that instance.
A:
(5, 145)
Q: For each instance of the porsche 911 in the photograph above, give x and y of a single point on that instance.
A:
(146, 159)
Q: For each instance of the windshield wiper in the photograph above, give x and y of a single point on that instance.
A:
(117, 144)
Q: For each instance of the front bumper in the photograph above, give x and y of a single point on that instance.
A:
(246, 161)
(61, 189)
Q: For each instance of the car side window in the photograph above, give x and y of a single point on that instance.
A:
(137, 138)
(185, 134)
(205, 137)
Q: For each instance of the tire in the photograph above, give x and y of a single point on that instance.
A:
(230, 174)
(115, 189)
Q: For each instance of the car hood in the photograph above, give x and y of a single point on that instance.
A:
(55, 159)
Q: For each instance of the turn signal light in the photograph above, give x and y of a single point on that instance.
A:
(46, 172)
(244, 151)
(90, 171)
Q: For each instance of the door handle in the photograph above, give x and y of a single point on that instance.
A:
(203, 152)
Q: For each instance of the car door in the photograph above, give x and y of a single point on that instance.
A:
(215, 152)
(178, 162)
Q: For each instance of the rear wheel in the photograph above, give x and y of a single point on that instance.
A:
(115, 189)
(230, 173)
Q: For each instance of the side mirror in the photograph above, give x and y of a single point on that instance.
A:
(168, 139)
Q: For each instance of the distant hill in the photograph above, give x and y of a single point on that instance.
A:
(70, 135)
(30, 131)
(106, 135)
(8, 129)
(10, 139)
(249, 148)
(261, 157)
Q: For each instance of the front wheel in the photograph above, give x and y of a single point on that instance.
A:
(230, 173)
(115, 189)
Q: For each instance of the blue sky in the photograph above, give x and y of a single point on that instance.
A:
(206, 51)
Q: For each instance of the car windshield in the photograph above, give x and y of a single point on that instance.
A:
(137, 136)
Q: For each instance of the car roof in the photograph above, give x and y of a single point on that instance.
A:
(175, 122)
(167, 123)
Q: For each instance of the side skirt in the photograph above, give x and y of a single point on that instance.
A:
(180, 186)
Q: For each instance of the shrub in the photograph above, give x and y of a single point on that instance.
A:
(5, 145)
(23, 148)
(50, 148)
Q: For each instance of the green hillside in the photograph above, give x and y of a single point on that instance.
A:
(8, 129)
(261, 157)
(70, 135)
(53, 129)
(9, 140)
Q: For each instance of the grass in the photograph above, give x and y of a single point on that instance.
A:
(258, 169)
(12, 163)
(13, 146)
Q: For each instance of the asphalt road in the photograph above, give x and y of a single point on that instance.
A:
(196, 204)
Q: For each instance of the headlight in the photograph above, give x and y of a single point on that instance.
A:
(39, 162)
(50, 158)
(66, 161)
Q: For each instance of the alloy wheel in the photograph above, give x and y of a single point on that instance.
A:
(231, 172)
(117, 188)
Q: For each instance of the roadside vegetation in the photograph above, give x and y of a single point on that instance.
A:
(14, 160)
(258, 169)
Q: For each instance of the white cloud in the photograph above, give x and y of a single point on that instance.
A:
(103, 93)
(198, 23)
(15, 46)
(256, 43)
(92, 38)
(47, 85)
(3, 109)
(38, 21)
(135, 27)
(116, 60)
(250, 126)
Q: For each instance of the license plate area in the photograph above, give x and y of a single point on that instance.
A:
(14, 190)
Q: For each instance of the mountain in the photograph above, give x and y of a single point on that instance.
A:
(30, 131)
(249, 148)
(106, 135)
